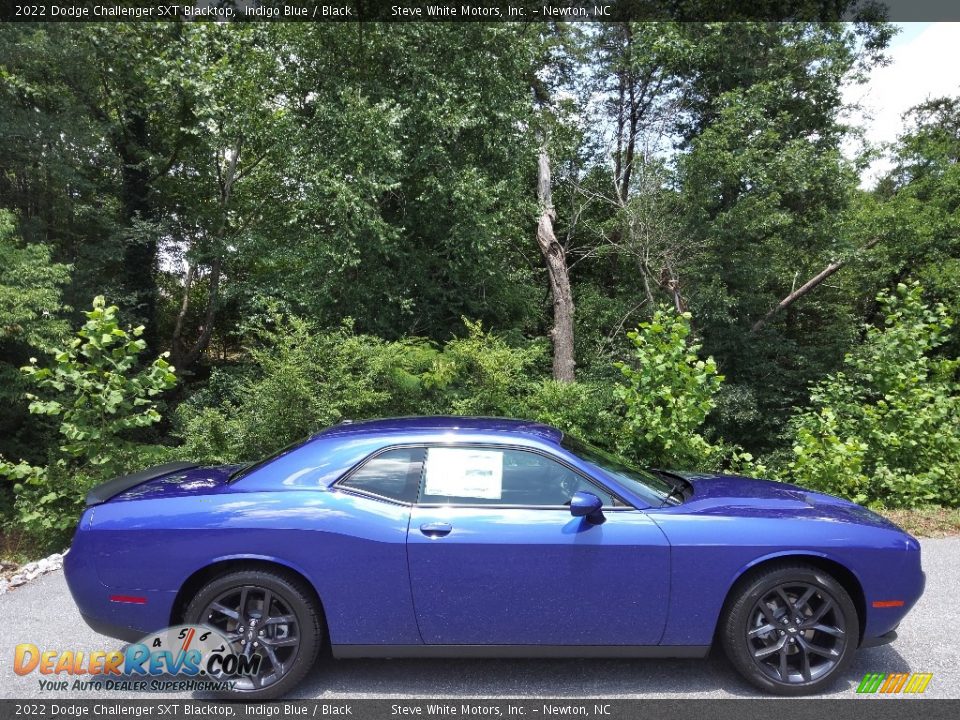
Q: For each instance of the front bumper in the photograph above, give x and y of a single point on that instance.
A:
(878, 641)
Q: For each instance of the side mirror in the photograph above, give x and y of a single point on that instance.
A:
(584, 504)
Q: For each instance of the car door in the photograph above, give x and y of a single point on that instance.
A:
(496, 557)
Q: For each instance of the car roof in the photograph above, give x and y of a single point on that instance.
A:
(444, 423)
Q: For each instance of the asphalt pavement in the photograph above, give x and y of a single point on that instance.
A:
(42, 612)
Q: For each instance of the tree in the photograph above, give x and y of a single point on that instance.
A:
(100, 398)
(30, 317)
(915, 209)
(555, 257)
(108, 108)
(886, 428)
(771, 201)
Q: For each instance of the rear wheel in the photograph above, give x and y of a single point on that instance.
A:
(267, 615)
(790, 630)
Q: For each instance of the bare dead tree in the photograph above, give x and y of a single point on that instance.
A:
(807, 287)
(558, 273)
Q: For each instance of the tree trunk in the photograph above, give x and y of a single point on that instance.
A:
(177, 346)
(206, 331)
(139, 260)
(558, 273)
(185, 354)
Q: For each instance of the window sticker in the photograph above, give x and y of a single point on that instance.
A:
(465, 473)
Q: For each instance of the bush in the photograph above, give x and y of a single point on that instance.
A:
(886, 429)
(481, 374)
(667, 393)
(300, 382)
(100, 397)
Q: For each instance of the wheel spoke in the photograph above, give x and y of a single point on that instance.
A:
(785, 598)
(274, 662)
(280, 642)
(243, 602)
(805, 598)
(280, 619)
(762, 630)
(828, 629)
(817, 650)
(767, 613)
(267, 599)
(821, 611)
(805, 664)
(224, 610)
(770, 649)
(782, 669)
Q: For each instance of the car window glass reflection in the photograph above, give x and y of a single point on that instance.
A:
(487, 476)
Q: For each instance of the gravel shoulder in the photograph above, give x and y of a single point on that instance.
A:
(42, 612)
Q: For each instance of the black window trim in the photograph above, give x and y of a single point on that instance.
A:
(627, 506)
(338, 485)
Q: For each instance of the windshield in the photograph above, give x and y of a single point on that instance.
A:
(655, 491)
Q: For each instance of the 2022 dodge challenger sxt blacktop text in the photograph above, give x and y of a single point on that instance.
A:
(481, 537)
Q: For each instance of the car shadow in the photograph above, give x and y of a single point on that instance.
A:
(712, 676)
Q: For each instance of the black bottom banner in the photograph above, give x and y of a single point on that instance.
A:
(873, 708)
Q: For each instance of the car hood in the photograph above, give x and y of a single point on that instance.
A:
(202, 480)
(736, 495)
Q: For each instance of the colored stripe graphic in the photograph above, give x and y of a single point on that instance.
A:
(871, 682)
(893, 683)
(920, 682)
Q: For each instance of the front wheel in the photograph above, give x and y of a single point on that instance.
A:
(267, 615)
(790, 630)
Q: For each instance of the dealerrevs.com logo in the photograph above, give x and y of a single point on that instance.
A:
(181, 658)
(893, 683)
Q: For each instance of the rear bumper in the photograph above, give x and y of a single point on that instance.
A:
(103, 608)
(120, 632)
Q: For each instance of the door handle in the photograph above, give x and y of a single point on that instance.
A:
(436, 529)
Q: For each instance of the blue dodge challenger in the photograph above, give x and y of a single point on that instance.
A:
(484, 537)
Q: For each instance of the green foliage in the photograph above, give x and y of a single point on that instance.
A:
(30, 307)
(886, 428)
(481, 374)
(386, 173)
(29, 290)
(667, 393)
(586, 409)
(96, 390)
(302, 381)
(100, 397)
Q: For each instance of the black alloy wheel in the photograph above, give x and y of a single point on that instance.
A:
(796, 633)
(263, 615)
(790, 629)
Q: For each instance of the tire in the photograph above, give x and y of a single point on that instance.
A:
(286, 598)
(773, 651)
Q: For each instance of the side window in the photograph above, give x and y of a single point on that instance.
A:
(488, 476)
(394, 474)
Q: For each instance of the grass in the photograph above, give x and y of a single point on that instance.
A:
(16, 548)
(933, 522)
